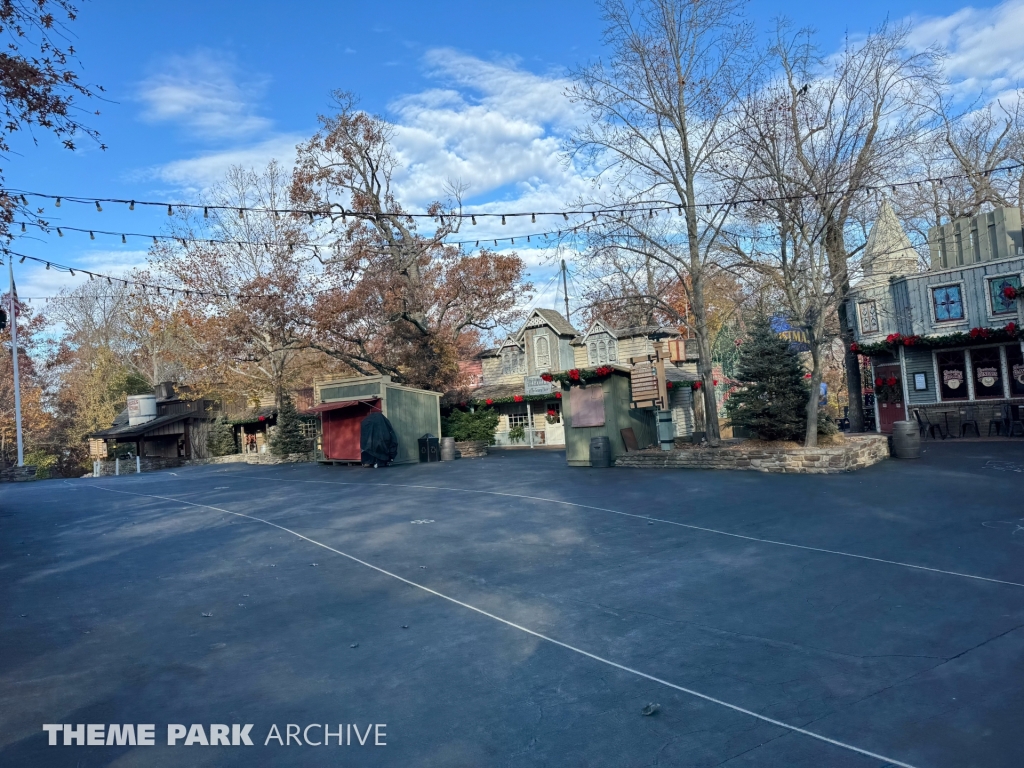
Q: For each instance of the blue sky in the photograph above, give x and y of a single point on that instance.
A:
(475, 89)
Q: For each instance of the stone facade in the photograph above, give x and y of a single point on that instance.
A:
(856, 452)
(472, 449)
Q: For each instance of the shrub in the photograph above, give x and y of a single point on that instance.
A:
(221, 440)
(463, 425)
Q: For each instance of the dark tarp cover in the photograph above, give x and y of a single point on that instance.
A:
(377, 440)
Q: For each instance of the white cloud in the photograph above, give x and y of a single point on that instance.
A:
(494, 127)
(195, 174)
(35, 281)
(200, 91)
(983, 46)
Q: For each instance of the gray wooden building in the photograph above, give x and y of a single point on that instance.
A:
(944, 341)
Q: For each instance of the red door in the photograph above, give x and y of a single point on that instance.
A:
(341, 431)
(894, 410)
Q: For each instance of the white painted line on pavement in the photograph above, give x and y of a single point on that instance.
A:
(574, 649)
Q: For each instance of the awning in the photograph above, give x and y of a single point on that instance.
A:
(335, 406)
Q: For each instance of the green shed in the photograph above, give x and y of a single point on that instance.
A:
(602, 410)
(342, 404)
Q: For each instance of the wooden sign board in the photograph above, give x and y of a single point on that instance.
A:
(647, 381)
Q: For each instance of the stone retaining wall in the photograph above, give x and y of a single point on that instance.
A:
(472, 449)
(154, 463)
(856, 452)
(16, 474)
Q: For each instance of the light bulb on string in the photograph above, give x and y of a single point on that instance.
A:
(123, 239)
(533, 218)
(23, 226)
(565, 216)
(59, 233)
(495, 243)
(131, 205)
(154, 240)
(47, 265)
(680, 210)
(90, 275)
(206, 212)
(473, 219)
(477, 244)
(503, 219)
(593, 216)
(57, 203)
(310, 217)
(21, 260)
(71, 271)
(170, 211)
(92, 236)
(24, 200)
(99, 208)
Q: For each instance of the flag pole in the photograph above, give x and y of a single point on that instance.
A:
(14, 357)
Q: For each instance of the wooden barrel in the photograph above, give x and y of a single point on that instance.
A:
(906, 440)
(666, 431)
(600, 452)
(447, 449)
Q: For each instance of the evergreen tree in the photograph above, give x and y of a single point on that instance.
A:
(288, 435)
(221, 440)
(773, 399)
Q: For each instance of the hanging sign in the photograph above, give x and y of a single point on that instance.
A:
(988, 376)
(535, 385)
(1018, 373)
(953, 379)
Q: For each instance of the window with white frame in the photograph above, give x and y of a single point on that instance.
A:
(602, 351)
(1000, 304)
(513, 360)
(867, 312)
(542, 353)
(948, 303)
(519, 417)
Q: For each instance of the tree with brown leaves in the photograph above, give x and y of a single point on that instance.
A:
(401, 303)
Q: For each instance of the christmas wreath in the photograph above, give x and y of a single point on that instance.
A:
(888, 390)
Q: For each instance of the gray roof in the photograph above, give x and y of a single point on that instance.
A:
(651, 331)
(122, 430)
(562, 326)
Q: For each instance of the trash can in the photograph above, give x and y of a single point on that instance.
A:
(906, 440)
(429, 448)
(600, 452)
(448, 449)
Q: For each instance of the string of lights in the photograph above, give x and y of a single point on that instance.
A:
(651, 208)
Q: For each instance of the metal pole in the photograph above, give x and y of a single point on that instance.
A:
(138, 464)
(14, 357)
(565, 290)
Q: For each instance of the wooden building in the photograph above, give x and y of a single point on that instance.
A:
(548, 343)
(603, 409)
(179, 428)
(946, 341)
(342, 404)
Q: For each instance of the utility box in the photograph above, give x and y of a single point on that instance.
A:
(430, 448)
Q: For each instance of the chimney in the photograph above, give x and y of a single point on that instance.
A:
(164, 391)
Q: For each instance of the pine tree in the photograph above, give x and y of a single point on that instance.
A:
(288, 434)
(221, 440)
(773, 399)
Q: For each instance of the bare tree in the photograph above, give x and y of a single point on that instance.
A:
(855, 120)
(660, 110)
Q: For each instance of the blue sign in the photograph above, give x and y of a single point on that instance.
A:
(797, 335)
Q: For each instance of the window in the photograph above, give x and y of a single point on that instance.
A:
(868, 317)
(513, 361)
(1015, 365)
(987, 368)
(952, 375)
(542, 352)
(519, 417)
(602, 352)
(948, 303)
(1000, 304)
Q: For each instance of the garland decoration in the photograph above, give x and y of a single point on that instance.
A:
(979, 335)
(577, 376)
(888, 390)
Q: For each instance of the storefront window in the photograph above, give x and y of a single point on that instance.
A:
(988, 372)
(1015, 365)
(952, 375)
